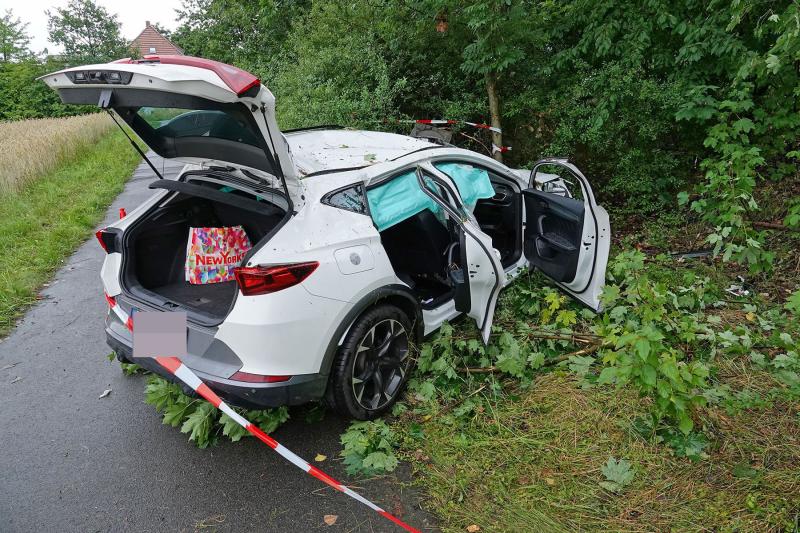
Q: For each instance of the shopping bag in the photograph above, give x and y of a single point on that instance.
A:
(213, 253)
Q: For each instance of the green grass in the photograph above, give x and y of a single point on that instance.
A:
(534, 464)
(41, 225)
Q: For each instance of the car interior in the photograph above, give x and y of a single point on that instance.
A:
(420, 249)
(499, 217)
(156, 245)
(424, 248)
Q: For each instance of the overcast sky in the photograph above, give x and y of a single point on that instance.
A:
(131, 13)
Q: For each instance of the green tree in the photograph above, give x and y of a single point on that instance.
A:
(14, 39)
(499, 36)
(22, 96)
(87, 32)
(249, 34)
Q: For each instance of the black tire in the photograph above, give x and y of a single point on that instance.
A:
(373, 364)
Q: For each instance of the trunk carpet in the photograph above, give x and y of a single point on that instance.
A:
(213, 299)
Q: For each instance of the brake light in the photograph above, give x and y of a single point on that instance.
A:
(258, 378)
(266, 279)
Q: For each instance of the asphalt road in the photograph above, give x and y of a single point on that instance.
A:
(72, 462)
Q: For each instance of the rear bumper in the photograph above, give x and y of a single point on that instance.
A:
(297, 390)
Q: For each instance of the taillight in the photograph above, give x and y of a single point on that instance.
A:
(266, 279)
(258, 378)
(108, 240)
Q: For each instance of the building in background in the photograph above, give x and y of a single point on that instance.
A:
(151, 42)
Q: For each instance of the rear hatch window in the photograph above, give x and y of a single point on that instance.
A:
(170, 123)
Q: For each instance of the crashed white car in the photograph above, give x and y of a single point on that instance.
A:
(362, 242)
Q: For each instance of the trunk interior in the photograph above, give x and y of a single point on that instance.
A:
(155, 256)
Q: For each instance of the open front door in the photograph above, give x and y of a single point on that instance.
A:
(475, 270)
(567, 235)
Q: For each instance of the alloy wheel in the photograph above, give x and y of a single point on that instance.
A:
(381, 363)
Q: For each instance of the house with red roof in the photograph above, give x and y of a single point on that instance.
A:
(151, 42)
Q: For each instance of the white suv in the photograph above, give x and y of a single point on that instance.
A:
(363, 242)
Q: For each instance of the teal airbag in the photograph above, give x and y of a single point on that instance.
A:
(397, 200)
(473, 183)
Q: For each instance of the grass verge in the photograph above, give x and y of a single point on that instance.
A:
(535, 464)
(45, 221)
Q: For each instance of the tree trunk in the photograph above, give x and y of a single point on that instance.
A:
(494, 112)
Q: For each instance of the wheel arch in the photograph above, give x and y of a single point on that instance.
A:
(398, 295)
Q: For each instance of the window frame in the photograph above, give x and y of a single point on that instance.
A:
(362, 192)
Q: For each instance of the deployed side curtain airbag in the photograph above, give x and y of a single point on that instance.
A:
(397, 200)
(473, 183)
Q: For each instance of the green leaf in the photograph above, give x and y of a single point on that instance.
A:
(642, 347)
(231, 429)
(608, 375)
(793, 303)
(618, 474)
(670, 369)
(536, 360)
(200, 423)
(380, 461)
(685, 423)
(649, 375)
(175, 413)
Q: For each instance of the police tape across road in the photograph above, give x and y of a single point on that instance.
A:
(175, 367)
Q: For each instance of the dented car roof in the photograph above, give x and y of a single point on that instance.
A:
(332, 149)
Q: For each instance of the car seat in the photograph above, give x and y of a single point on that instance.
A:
(418, 245)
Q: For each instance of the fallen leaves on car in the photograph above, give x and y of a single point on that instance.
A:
(330, 519)
(105, 393)
(319, 458)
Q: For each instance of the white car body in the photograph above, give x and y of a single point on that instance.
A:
(298, 331)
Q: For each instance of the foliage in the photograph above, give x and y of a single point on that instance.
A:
(753, 132)
(645, 329)
(131, 369)
(46, 220)
(697, 374)
(369, 448)
(618, 474)
(14, 38)
(23, 96)
(349, 83)
(201, 420)
(87, 31)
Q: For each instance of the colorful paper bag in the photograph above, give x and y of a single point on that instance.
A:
(213, 253)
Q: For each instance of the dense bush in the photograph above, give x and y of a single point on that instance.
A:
(23, 96)
(650, 98)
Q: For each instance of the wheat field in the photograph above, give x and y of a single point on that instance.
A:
(31, 148)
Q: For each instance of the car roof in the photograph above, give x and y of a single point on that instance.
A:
(318, 150)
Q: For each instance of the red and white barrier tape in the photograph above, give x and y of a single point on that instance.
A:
(501, 149)
(175, 367)
(450, 122)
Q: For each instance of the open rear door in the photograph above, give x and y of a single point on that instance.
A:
(476, 271)
(567, 235)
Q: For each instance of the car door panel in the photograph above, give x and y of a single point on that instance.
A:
(567, 238)
(553, 246)
(480, 267)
